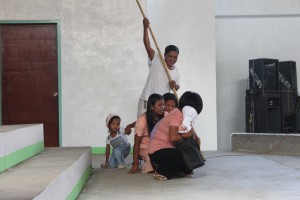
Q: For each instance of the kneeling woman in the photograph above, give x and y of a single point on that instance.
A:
(144, 126)
(165, 158)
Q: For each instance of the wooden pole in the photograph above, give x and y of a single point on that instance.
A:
(158, 50)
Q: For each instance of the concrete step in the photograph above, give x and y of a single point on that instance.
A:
(288, 144)
(19, 142)
(55, 173)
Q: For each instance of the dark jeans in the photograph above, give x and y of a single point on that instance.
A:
(167, 162)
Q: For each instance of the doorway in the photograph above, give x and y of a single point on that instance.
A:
(29, 65)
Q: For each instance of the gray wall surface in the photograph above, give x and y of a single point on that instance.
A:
(248, 30)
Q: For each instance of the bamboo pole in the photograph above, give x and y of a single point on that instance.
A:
(158, 50)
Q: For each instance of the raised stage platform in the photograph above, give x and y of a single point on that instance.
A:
(55, 173)
(29, 171)
(288, 144)
(19, 142)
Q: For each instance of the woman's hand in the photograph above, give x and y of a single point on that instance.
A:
(129, 127)
(174, 135)
(128, 130)
(134, 169)
(136, 150)
(105, 166)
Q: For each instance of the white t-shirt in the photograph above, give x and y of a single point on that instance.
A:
(121, 133)
(157, 81)
(189, 117)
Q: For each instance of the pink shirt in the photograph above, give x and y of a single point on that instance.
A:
(160, 138)
(141, 129)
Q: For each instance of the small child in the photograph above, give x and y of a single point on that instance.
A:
(118, 140)
(189, 117)
(170, 102)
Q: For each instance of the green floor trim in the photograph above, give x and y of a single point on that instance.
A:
(78, 187)
(101, 150)
(2, 164)
(98, 150)
(23, 154)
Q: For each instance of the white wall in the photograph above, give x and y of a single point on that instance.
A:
(104, 67)
(247, 30)
(190, 25)
(104, 64)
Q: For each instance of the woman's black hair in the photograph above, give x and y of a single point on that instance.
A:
(153, 98)
(171, 96)
(192, 99)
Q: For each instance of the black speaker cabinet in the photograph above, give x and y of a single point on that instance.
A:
(288, 102)
(263, 74)
(297, 121)
(263, 114)
(292, 121)
(287, 76)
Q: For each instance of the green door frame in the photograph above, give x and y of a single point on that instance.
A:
(2, 22)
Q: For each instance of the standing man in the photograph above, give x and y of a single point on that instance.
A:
(157, 81)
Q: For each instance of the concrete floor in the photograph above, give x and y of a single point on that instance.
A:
(226, 175)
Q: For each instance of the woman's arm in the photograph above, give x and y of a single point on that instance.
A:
(136, 150)
(174, 135)
(129, 127)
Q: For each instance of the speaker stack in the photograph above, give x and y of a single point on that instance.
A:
(272, 101)
(289, 94)
(263, 112)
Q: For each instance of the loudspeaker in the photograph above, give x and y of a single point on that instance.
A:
(292, 121)
(287, 76)
(287, 82)
(249, 103)
(263, 114)
(263, 74)
(297, 121)
(288, 102)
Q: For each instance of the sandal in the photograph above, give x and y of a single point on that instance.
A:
(159, 177)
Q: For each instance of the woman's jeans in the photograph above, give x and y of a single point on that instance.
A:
(118, 155)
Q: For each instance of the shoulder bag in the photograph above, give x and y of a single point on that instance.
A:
(190, 153)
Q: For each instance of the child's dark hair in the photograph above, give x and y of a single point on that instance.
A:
(192, 99)
(171, 96)
(171, 48)
(153, 98)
